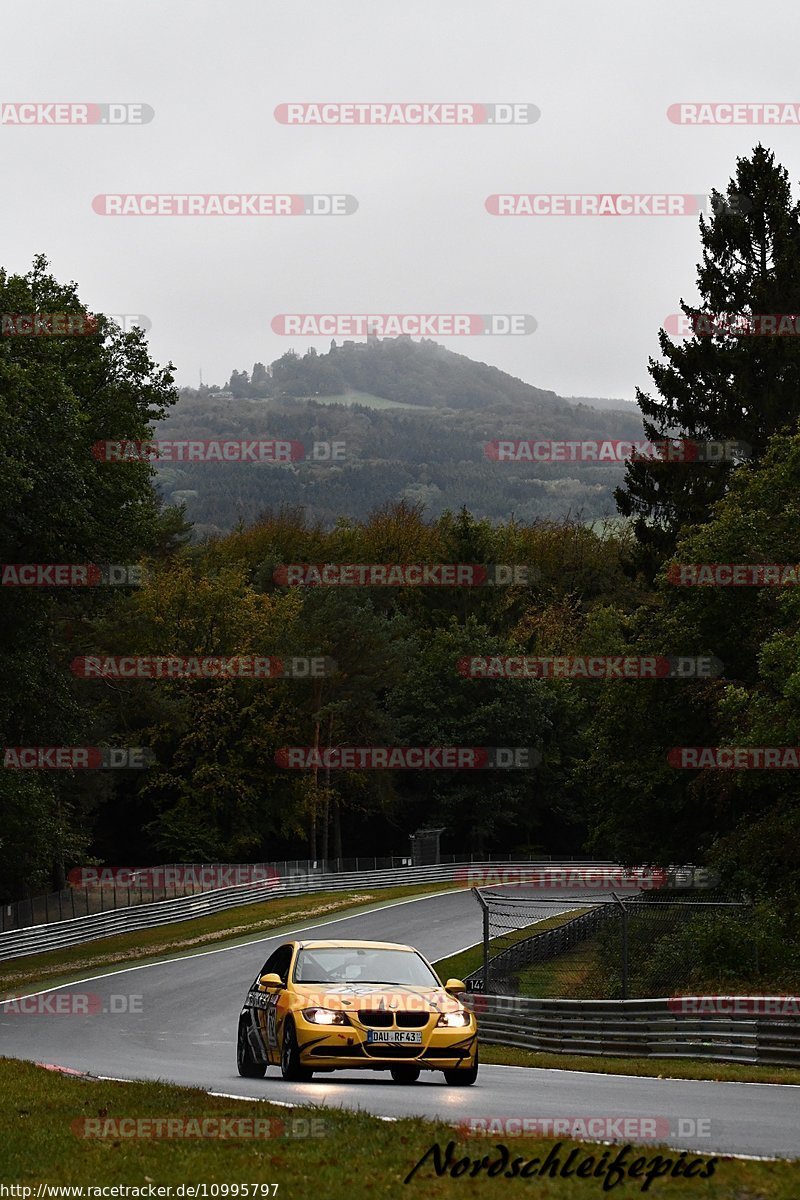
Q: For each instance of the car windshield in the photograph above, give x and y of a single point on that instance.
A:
(363, 964)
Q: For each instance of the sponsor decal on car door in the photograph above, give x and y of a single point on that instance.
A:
(272, 1022)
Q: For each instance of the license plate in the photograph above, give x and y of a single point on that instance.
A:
(394, 1037)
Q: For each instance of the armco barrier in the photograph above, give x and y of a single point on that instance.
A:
(642, 1028)
(95, 890)
(57, 934)
(38, 938)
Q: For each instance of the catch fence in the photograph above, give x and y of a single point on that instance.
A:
(594, 945)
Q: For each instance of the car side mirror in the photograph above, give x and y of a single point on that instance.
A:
(455, 985)
(271, 981)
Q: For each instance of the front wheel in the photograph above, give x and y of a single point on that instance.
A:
(246, 1063)
(462, 1076)
(290, 1056)
(405, 1074)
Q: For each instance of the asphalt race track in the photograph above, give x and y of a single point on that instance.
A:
(184, 1024)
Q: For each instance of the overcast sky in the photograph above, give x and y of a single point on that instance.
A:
(602, 75)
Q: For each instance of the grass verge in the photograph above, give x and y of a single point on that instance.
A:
(654, 1068)
(576, 972)
(539, 980)
(42, 1127)
(234, 924)
(458, 966)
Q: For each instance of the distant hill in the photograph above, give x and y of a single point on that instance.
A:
(604, 402)
(415, 419)
(400, 369)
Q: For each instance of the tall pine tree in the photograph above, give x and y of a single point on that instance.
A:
(720, 385)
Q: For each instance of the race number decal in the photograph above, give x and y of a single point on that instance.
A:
(272, 1021)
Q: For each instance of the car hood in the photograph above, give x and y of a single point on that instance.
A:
(388, 997)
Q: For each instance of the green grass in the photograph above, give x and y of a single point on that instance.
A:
(591, 971)
(357, 1157)
(653, 1068)
(561, 976)
(458, 966)
(233, 925)
(567, 976)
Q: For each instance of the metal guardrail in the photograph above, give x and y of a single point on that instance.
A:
(58, 934)
(641, 1028)
(168, 881)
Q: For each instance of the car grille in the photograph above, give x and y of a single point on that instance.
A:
(384, 1019)
(412, 1020)
(375, 1018)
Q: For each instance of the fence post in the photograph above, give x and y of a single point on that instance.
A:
(624, 945)
(485, 910)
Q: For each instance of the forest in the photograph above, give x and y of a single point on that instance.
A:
(605, 780)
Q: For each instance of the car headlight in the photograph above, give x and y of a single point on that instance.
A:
(455, 1020)
(325, 1016)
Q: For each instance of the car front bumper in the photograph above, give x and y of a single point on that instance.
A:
(348, 1046)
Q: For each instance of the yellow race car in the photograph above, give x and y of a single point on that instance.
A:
(376, 1006)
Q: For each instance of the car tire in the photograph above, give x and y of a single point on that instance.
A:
(405, 1074)
(291, 1069)
(246, 1063)
(462, 1076)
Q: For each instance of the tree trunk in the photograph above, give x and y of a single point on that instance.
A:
(326, 802)
(337, 828)
(313, 837)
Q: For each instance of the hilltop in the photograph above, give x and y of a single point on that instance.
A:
(415, 419)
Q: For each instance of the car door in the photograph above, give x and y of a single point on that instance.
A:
(272, 1015)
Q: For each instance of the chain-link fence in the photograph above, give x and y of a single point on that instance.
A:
(112, 888)
(601, 945)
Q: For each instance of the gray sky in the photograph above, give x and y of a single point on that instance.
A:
(603, 76)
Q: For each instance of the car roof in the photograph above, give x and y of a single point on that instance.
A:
(319, 944)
